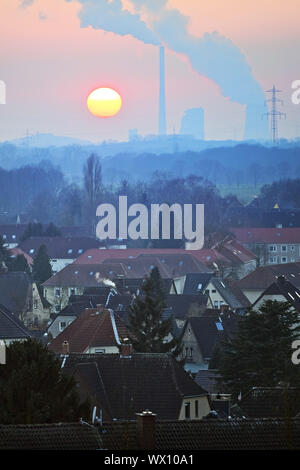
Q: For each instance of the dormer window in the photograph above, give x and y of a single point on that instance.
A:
(70, 251)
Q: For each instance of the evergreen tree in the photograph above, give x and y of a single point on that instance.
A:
(52, 231)
(32, 230)
(259, 354)
(149, 331)
(34, 390)
(4, 253)
(41, 269)
(19, 263)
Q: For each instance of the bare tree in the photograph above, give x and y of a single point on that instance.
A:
(93, 186)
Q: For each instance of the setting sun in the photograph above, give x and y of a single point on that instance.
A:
(104, 102)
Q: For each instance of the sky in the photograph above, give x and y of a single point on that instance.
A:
(219, 55)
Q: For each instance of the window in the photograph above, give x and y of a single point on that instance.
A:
(191, 353)
(57, 308)
(62, 325)
(72, 291)
(199, 287)
(57, 292)
(35, 304)
(292, 247)
(31, 251)
(216, 304)
(187, 410)
(4, 237)
(70, 251)
(99, 351)
(80, 251)
(273, 248)
(14, 237)
(284, 259)
(273, 260)
(292, 260)
(283, 248)
(186, 352)
(196, 409)
(213, 291)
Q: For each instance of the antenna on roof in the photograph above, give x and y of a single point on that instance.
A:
(95, 419)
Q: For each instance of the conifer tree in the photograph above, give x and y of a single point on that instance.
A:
(259, 354)
(149, 330)
(19, 263)
(34, 389)
(41, 269)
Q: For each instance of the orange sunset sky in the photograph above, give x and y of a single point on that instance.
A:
(50, 64)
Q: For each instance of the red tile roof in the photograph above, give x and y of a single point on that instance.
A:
(93, 328)
(267, 235)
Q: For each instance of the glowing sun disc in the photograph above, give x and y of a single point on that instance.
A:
(104, 102)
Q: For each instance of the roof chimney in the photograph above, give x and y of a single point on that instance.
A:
(126, 350)
(146, 429)
(65, 348)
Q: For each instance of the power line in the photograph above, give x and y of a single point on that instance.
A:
(274, 113)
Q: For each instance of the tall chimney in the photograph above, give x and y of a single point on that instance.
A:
(162, 127)
(146, 430)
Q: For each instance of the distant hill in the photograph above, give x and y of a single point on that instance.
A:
(47, 140)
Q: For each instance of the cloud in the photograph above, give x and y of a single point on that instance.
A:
(42, 16)
(154, 5)
(26, 3)
(110, 16)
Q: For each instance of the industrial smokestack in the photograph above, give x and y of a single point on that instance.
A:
(162, 128)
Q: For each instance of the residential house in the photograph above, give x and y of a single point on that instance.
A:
(200, 337)
(280, 290)
(236, 260)
(20, 295)
(206, 434)
(124, 384)
(54, 436)
(61, 250)
(254, 285)
(95, 330)
(271, 245)
(11, 328)
(226, 293)
(74, 279)
(11, 234)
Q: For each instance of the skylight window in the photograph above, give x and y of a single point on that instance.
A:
(31, 250)
(219, 326)
(91, 273)
(70, 251)
(291, 296)
(80, 250)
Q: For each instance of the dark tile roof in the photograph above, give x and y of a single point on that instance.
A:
(231, 293)
(195, 283)
(59, 247)
(283, 288)
(268, 402)
(207, 333)
(85, 275)
(61, 436)
(15, 290)
(208, 379)
(11, 233)
(252, 434)
(264, 276)
(124, 386)
(183, 305)
(10, 326)
(92, 328)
